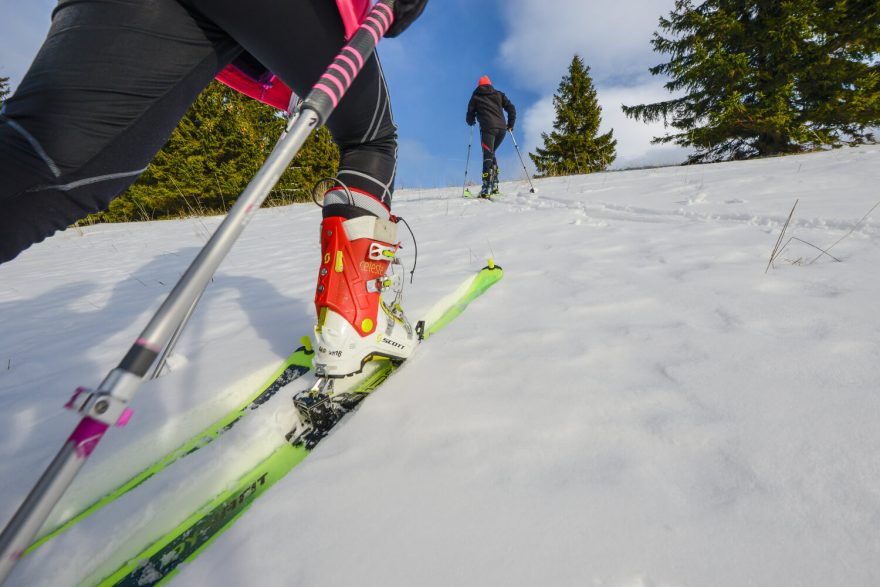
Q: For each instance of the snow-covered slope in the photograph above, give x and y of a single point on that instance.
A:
(636, 403)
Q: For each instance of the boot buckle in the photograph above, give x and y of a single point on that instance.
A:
(390, 282)
(380, 252)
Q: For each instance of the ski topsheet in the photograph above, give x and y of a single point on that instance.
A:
(296, 365)
(158, 559)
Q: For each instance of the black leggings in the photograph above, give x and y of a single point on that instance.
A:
(114, 77)
(491, 138)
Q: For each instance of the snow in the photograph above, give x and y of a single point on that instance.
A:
(637, 403)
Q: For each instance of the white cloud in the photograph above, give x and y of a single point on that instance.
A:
(612, 36)
(538, 118)
(634, 146)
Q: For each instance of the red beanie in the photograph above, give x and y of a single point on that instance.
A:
(485, 81)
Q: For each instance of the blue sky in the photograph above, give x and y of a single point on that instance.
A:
(525, 46)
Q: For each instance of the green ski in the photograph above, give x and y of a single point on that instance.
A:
(158, 562)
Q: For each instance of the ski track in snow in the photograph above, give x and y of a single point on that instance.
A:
(636, 403)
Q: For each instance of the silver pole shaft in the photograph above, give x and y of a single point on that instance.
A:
(33, 512)
(172, 342)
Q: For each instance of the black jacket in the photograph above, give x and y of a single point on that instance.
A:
(486, 104)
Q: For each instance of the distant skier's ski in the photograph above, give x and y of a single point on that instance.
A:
(296, 365)
(468, 195)
(159, 561)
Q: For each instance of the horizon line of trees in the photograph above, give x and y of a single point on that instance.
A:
(750, 78)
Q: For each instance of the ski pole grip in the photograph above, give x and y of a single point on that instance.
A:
(332, 86)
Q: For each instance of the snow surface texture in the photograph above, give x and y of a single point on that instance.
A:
(636, 404)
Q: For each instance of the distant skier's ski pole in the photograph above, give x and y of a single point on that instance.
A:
(521, 161)
(108, 405)
(465, 191)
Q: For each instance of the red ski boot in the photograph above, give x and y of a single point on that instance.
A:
(359, 267)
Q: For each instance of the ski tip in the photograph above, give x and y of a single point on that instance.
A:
(491, 266)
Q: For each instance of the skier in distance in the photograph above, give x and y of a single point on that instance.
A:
(486, 105)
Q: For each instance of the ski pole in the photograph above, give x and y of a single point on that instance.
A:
(465, 191)
(521, 161)
(108, 405)
(172, 342)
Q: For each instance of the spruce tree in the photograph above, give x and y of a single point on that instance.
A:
(574, 146)
(758, 77)
(216, 149)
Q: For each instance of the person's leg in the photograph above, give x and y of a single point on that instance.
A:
(105, 91)
(297, 41)
(487, 140)
(500, 133)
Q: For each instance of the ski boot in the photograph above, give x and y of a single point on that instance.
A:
(493, 181)
(359, 272)
(486, 190)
